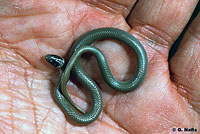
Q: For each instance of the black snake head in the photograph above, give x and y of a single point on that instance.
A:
(55, 60)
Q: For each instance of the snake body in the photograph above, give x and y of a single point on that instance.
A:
(82, 45)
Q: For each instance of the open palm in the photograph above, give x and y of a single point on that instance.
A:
(31, 29)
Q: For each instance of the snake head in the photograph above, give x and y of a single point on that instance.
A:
(55, 60)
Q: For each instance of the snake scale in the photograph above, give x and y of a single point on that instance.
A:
(73, 67)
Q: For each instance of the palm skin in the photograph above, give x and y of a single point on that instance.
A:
(31, 29)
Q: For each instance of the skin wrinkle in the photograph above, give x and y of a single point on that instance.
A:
(6, 125)
(12, 95)
(163, 39)
(43, 106)
(168, 82)
(178, 12)
(24, 16)
(183, 91)
(39, 128)
(77, 26)
(168, 120)
(197, 71)
(109, 102)
(163, 118)
(112, 9)
(50, 46)
(157, 48)
(109, 6)
(33, 9)
(24, 99)
(115, 111)
(113, 107)
(195, 67)
(103, 114)
(27, 61)
(160, 8)
(4, 45)
(159, 76)
(11, 106)
(57, 35)
(192, 97)
(152, 60)
(178, 9)
(190, 62)
(190, 71)
(99, 6)
(124, 3)
(73, 30)
(194, 34)
(45, 119)
(195, 103)
(38, 46)
(24, 120)
(10, 57)
(58, 12)
(159, 52)
(46, 108)
(3, 121)
(35, 34)
(32, 100)
(39, 42)
(119, 24)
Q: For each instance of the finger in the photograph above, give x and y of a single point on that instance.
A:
(185, 65)
(161, 21)
(113, 6)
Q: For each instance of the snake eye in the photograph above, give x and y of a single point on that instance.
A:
(55, 60)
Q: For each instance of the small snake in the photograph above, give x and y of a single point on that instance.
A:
(82, 45)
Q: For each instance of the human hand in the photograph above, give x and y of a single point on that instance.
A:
(167, 99)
